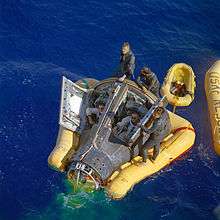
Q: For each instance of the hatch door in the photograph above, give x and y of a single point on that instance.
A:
(71, 107)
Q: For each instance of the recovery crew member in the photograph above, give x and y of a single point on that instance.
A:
(127, 63)
(157, 128)
(149, 80)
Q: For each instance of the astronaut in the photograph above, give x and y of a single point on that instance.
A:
(127, 127)
(94, 114)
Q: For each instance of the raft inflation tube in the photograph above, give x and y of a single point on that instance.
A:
(90, 158)
(67, 144)
(181, 140)
(212, 88)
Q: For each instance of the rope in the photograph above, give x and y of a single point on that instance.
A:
(183, 128)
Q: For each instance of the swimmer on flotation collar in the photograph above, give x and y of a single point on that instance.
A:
(149, 80)
(157, 128)
(127, 63)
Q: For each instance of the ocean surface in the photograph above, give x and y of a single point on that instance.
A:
(42, 40)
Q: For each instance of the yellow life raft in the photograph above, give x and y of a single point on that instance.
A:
(181, 139)
(122, 180)
(183, 75)
(130, 173)
(212, 88)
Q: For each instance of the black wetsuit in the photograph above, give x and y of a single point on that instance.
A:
(127, 65)
(160, 129)
(151, 83)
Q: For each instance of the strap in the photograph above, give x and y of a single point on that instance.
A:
(183, 128)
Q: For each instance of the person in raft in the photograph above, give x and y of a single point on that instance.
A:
(157, 128)
(179, 89)
(149, 80)
(127, 63)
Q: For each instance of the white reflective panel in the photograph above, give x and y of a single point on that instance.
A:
(75, 103)
(71, 111)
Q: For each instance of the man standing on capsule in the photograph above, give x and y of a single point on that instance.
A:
(127, 63)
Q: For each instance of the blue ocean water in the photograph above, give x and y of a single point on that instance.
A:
(42, 40)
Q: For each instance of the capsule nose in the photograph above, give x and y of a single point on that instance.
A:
(81, 173)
